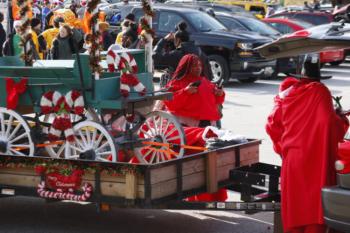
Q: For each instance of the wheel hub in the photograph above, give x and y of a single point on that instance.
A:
(158, 139)
(88, 155)
(3, 146)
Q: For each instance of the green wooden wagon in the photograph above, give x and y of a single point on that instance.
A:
(24, 130)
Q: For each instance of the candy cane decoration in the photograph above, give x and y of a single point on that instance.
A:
(62, 106)
(43, 192)
(127, 65)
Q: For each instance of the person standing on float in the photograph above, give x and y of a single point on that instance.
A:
(305, 130)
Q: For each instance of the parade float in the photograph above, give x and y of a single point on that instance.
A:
(57, 140)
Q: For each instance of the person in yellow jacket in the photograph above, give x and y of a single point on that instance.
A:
(128, 22)
(46, 37)
(35, 30)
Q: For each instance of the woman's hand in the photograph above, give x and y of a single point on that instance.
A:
(218, 91)
(191, 89)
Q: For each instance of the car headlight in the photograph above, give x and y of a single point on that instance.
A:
(245, 46)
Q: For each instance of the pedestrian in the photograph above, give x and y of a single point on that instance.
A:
(80, 12)
(183, 46)
(2, 33)
(305, 131)
(128, 22)
(66, 43)
(46, 37)
(35, 31)
(106, 38)
(12, 46)
(130, 39)
(191, 91)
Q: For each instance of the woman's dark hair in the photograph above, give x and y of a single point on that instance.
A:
(1, 17)
(57, 21)
(181, 32)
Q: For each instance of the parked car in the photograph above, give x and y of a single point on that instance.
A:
(231, 54)
(285, 26)
(315, 18)
(336, 200)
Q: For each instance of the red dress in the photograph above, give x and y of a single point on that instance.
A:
(202, 105)
(305, 131)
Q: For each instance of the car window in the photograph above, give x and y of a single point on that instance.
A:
(138, 14)
(282, 28)
(258, 26)
(231, 23)
(204, 22)
(314, 19)
(168, 21)
(257, 10)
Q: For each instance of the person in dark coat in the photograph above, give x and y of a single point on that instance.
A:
(2, 33)
(183, 46)
(66, 43)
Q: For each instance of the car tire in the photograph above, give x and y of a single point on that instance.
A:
(248, 80)
(336, 63)
(219, 68)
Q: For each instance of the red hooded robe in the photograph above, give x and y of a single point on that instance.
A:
(305, 131)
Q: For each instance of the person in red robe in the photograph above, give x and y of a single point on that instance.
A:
(195, 99)
(305, 131)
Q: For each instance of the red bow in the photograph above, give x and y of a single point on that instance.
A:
(14, 90)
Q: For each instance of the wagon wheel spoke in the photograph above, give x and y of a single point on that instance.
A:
(2, 124)
(93, 140)
(9, 126)
(55, 151)
(162, 129)
(15, 140)
(16, 152)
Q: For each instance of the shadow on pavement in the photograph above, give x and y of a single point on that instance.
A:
(28, 215)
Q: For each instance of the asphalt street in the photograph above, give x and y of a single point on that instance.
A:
(245, 112)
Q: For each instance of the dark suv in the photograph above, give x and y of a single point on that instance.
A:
(231, 54)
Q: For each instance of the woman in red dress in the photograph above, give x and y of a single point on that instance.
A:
(195, 99)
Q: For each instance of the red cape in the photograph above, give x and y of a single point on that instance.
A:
(305, 131)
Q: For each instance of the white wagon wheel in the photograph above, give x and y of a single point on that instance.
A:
(93, 142)
(163, 128)
(57, 151)
(15, 138)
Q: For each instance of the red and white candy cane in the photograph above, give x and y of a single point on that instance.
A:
(62, 106)
(43, 192)
(127, 65)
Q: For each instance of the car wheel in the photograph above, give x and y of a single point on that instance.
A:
(248, 80)
(336, 63)
(219, 68)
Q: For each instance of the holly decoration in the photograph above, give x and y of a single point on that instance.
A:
(25, 35)
(95, 52)
(44, 166)
(145, 29)
(147, 8)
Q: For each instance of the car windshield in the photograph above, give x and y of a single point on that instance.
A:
(204, 23)
(258, 26)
